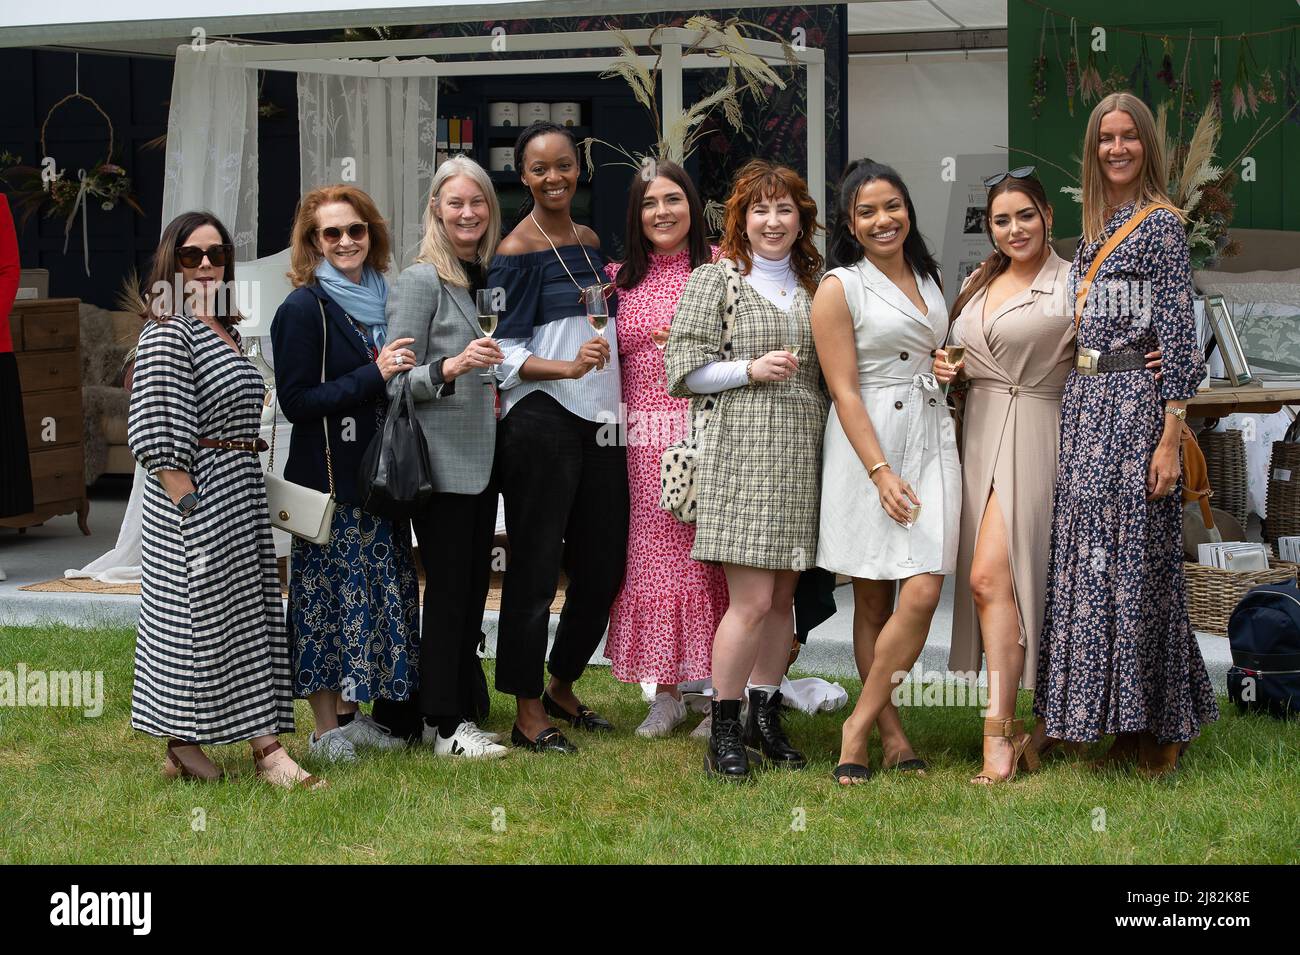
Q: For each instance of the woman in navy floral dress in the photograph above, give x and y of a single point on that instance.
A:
(1118, 654)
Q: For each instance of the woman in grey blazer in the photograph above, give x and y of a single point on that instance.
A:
(433, 303)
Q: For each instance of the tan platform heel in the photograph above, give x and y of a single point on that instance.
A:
(1021, 753)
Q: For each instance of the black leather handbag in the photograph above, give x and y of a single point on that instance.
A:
(395, 479)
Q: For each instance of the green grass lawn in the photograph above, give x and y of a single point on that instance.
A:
(88, 790)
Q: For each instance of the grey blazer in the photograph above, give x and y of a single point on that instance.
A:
(459, 423)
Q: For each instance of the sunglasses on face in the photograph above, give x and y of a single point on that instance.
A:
(356, 232)
(191, 256)
(1020, 172)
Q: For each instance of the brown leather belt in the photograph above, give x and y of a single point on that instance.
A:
(255, 446)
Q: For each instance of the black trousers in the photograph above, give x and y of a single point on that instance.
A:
(566, 501)
(814, 600)
(455, 535)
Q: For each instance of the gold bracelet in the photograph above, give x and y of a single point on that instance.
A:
(749, 370)
(871, 471)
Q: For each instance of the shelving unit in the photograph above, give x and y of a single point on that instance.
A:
(608, 112)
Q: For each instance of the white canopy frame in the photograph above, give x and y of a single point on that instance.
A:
(341, 58)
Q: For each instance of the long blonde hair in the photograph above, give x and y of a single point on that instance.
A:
(435, 247)
(1153, 177)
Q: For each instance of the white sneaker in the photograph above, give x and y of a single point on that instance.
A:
(468, 742)
(665, 715)
(365, 732)
(332, 747)
(705, 729)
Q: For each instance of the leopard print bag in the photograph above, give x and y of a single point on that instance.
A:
(677, 489)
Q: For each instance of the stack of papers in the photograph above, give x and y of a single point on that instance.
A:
(1234, 555)
(1288, 548)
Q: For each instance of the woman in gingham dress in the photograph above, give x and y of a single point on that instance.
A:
(212, 662)
(758, 474)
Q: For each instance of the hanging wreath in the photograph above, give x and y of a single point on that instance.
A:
(61, 193)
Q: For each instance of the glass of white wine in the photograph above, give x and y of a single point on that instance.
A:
(485, 302)
(793, 333)
(916, 512)
(955, 355)
(593, 297)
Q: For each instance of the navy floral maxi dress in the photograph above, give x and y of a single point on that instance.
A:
(1118, 654)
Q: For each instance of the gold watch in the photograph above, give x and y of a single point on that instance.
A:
(1179, 413)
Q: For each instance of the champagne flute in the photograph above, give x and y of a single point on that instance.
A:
(955, 354)
(793, 333)
(485, 301)
(916, 512)
(593, 296)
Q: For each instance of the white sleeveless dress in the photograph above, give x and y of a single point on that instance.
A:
(906, 405)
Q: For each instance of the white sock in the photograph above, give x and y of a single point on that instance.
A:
(766, 688)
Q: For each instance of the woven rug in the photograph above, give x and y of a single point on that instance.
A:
(81, 585)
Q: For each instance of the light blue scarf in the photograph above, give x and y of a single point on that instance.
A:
(364, 301)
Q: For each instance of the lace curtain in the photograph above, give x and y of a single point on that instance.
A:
(212, 142)
(378, 134)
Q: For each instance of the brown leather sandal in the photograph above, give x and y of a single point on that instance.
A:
(307, 782)
(1021, 753)
(179, 764)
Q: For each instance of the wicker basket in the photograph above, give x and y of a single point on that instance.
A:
(1225, 465)
(1212, 594)
(1283, 505)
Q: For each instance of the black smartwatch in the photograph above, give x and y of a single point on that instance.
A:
(187, 504)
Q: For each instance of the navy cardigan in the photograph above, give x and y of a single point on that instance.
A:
(352, 391)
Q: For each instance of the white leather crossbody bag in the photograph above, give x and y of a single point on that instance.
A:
(303, 511)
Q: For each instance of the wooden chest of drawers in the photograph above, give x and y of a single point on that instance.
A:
(47, 349)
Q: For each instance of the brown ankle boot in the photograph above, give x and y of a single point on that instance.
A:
(1156, 759)
(1123, 752)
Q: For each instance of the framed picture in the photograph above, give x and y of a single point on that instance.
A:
(1225, 338)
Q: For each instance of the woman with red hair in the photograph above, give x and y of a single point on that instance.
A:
(741, 343)
(353, 612)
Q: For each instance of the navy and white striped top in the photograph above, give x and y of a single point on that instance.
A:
(544, 316)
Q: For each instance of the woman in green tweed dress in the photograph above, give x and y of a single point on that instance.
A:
(758, 470)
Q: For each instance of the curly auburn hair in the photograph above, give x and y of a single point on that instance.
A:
(303, 254)
(757, 180)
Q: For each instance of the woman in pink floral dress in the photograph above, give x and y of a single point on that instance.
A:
(661, 626)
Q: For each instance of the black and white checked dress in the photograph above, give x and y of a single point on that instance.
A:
(212, 661)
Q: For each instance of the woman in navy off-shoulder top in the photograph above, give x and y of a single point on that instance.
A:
(562, 465)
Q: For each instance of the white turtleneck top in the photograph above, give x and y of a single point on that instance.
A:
(768, 277)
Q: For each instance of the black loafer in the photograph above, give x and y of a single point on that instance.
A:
(549, 740)
(587, 719)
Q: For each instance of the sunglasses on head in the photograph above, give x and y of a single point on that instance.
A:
(191, 256)
(1020, 172)
(356, 232)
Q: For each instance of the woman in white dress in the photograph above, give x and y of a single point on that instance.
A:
(877, 323)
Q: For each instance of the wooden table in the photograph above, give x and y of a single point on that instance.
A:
(1247, 399)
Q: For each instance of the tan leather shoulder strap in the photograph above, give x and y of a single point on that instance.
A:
(1120, 234)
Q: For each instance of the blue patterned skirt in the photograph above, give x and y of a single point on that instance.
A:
(354, 609)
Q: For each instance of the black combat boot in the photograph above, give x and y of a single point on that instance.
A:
(726, 756)
(763, 731)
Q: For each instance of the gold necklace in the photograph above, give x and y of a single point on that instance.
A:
(603, 285)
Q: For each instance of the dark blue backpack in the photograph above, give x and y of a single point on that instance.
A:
(1264, 632)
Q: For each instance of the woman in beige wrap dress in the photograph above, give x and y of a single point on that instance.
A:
(1017, 327)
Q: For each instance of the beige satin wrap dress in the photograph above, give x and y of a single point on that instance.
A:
(1017, 359)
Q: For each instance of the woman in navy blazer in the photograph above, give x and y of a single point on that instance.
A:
(354, 600)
